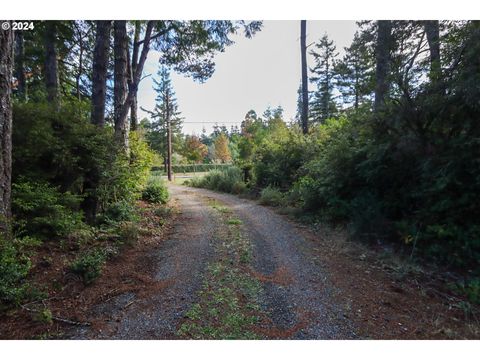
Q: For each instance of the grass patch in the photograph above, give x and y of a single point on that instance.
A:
(234, 222)
(228, 305)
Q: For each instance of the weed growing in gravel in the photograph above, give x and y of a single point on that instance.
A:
(228, 306)
(234, 222)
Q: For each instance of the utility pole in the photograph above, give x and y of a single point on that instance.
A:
(169, 139)
(303, 50)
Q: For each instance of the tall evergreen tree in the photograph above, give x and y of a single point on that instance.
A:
(303, 49)
(355, 72)
(99, 71)
(166, 108)
(6, 69)
(383, 59)
(51, 62)
(323, 102)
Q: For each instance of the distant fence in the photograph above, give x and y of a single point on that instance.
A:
(192, 168)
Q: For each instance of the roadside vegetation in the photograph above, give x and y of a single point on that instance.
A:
(401, 173)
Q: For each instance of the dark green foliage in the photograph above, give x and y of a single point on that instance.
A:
(271, 196)
(279, 157)
(57, 152)
(43, 211)
(58, 146)
(89, 265)
(117, 212)
(155, 192)
(14, 267)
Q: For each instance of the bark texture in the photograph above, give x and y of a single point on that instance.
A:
(51, 62)
(20, 65)
(120, 82)
(6, 69)
(135, 51)
(122, 108)
(382, 49)
(99, 76)
(303, 49)
(432, 30)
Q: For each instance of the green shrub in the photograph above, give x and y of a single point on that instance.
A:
(239, 188)
(14, 267)
(43, 211)
(126, 177)
(271, 196)
(89, 265)
(156, 192)
(61, 149)
(117, 212)
(128, 233)
(280, 156)
(221, 180)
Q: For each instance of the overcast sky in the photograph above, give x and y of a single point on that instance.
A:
(251, 74)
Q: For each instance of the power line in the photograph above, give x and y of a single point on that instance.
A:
(210, 122)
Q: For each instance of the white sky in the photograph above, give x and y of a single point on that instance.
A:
(251, 74)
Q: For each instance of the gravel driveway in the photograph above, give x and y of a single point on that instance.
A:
(294, 295)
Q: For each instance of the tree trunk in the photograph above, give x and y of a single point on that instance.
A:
(303, 49)
(134, 106)
(80, 69)
(51, 63)
(432, 30)
(20, 66)
(99, 76)
(120, 82)
(6, 69)
(99, 90)
(121, 110)
(383, 47)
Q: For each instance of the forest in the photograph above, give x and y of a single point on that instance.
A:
(385, 145)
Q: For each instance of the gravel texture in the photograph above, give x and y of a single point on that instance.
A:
(295, 294)
(295, 297)
(181, 262)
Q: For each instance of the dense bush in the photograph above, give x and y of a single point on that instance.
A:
(117, 212)
(59, 146)
(389, 187)
(126, 177)
(43, 211)
(13, 269)
(221, 180)
(279, 157)
(155, 192)
(63, 155)
(271, 196)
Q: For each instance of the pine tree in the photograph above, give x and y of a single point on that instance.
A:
(355, 72)
(323, 102)
(166, 105)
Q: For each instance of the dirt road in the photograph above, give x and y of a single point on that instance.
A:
(232, 269)
(278, 292)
